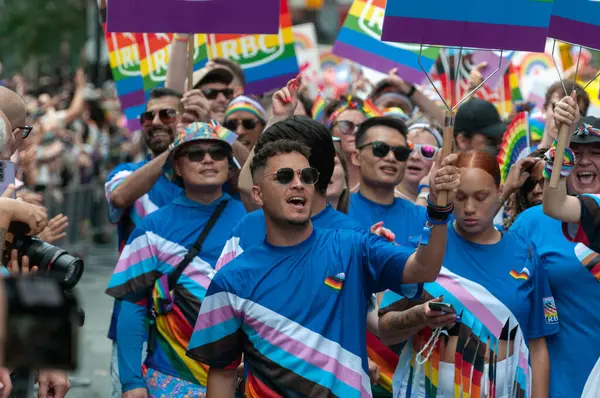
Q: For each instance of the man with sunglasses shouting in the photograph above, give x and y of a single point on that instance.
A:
(381, 154)
(134, 190)
(295, 305)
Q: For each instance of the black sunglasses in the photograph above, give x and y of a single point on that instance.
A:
(197, 154)
(166, 116)
(247, 124)
(213, 93)
(285, 175)
(346, 127)
(381, 149)
(25, 130)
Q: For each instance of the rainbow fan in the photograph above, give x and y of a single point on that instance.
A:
(536, 126)
(515, 141)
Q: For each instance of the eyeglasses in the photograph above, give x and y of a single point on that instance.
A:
(427, 152)
(166, 116)
(346, 127)
(25, 130)
(285, 175)
(381, 149)
(213, 93)
(197, 154)
(247, 124)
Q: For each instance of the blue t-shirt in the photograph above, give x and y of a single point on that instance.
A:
(298, 313)
(405, 219)
(574, 351)
(162, 193)
(252, 230)
(489, 285)
(154, 249)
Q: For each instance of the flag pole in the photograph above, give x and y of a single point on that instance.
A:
(190, 56)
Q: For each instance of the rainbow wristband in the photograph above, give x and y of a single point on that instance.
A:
(567, 166)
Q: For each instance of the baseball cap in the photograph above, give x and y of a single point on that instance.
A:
(209, 75)
(194, 132)
(479, 116)
(588, 131)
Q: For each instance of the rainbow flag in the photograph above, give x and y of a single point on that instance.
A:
(385, 358)
(496, 24)
(515, 140)
(268, 61)
(154, 57)
(318, 108)
(576, 22)
(124, 63)
(537, 125)
(360, 40)
(515, 87)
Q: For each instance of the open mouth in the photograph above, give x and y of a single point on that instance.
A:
(586, 177)
(414, 169)
(209, 172)
(297, 202)
(389, 169)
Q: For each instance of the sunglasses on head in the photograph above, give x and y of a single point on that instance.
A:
(381, 149)
(213, 93)
(346, 127)
(166, 116)
(25, 130)
(427, 152)
(197, 154)
(285, 175)
(247, 124)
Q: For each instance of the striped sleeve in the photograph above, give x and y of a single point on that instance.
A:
(136, 271)
(587, 230)
(116, 177)
(231, 250)
(217, 340)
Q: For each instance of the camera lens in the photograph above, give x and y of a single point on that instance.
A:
(59, 264)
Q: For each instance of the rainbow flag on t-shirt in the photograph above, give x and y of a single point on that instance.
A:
(360, 41)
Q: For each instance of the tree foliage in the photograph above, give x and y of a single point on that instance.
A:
(36, 28)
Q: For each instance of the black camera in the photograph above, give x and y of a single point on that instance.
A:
(51, 260)
(41, 324)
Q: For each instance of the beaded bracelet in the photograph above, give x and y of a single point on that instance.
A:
(567, 166)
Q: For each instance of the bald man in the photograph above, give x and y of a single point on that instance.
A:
(5, 127)
(15, 110)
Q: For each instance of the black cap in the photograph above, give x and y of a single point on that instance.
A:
(479, 116)
(587, 139)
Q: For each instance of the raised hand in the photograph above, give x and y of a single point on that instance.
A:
(444, 177)
(476, 75)
(285, 100)
(566, 111)
(195, 107)
(55, 230)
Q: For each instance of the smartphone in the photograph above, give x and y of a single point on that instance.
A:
(7, 176)
(442, 307)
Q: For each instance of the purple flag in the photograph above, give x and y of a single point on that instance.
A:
(194, 16)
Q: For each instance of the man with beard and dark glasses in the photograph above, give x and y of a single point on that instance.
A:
(134, 190)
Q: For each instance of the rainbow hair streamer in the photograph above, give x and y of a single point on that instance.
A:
(515, 141)
(246, 104)
(367, 108)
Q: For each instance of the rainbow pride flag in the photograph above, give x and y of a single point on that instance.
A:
(576, 22)
(154, 57)
(124, 60)
(495, 24)
(515, 141)
(360, 40)
(268, 61)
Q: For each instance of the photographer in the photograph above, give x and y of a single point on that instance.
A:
(52, 383)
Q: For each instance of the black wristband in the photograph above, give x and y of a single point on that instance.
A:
(411, 92)
(439, 214)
